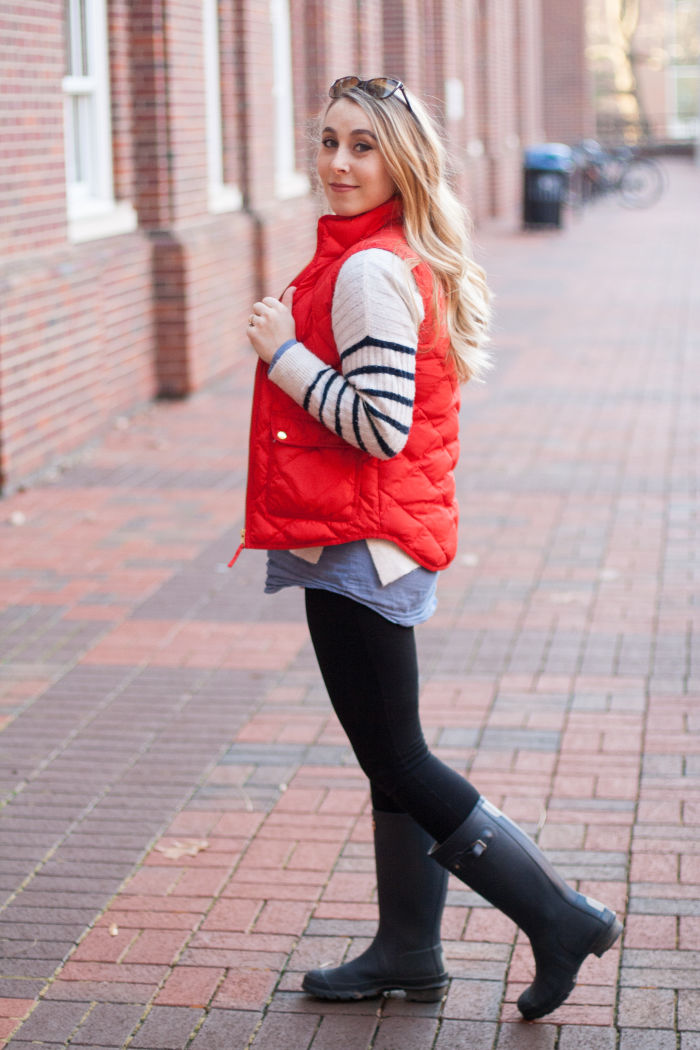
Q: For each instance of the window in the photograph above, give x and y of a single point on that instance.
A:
(223, 196)
(683, 69)
(288, 182)
(685, 93)
(92, 210)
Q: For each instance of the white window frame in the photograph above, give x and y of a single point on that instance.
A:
(683, 127)
(222, 196)
(677, 126)
(288, 181)
(92, 209)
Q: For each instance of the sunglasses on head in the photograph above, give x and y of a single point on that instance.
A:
(377, 87)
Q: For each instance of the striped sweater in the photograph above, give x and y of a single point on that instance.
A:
(376, 313)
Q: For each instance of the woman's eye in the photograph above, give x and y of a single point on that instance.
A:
(359, 147)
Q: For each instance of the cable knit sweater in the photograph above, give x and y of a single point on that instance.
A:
(376, 313)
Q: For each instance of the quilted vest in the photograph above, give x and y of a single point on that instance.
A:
(308, 487)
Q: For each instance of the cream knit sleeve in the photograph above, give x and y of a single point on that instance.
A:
(376, 313)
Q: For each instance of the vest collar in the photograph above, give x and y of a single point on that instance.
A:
(337, 233)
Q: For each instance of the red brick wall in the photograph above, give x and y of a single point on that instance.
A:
(369, 39)
(203, 287)
(529, 71)
(472, 61)
(567, 88)
(75, 321)
(202, 279)
(77, 342)
(32, 167)
(186, 110)
(496, 48)
(120, 63)
(90, 330)
(230, 61)
(149, 98)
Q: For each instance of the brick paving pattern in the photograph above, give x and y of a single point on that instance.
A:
(184, 828)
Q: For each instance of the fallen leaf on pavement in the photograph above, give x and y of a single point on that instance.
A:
(184, 848)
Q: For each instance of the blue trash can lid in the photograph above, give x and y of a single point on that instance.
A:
(550, 156)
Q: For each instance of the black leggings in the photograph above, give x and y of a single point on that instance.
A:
(370, 670)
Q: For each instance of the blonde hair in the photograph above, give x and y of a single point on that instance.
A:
(436, 224)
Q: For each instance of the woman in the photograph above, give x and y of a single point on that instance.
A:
(354, 440)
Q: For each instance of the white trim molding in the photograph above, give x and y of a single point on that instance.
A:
(288, 181)
(222, 196)
(92, 210)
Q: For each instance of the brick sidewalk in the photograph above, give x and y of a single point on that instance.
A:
(185, 830)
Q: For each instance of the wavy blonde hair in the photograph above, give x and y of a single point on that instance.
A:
(436, 225)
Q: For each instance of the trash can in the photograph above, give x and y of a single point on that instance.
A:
(547, 169)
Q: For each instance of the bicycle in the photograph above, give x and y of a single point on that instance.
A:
(638, 181)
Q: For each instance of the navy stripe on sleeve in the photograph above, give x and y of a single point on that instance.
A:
(329, 383)
(369, 340)
(388, 451)
(373, 412)
(389, 395)
(312, 387)
(356, 424)
(367, 370)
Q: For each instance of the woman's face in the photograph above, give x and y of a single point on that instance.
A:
(349, 164)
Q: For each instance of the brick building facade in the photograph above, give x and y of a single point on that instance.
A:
(567, 82)
(155, 176)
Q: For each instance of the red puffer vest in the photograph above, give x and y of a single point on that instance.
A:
(306, 486)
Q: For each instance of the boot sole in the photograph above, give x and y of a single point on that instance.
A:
(432, 994)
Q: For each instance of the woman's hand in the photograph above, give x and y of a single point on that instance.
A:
(271, 324)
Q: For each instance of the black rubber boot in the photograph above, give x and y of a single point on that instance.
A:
(406, 953)
(498, 860)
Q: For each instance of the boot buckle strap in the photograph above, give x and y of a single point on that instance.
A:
(479, 846)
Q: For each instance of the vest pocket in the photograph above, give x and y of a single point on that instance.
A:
(312, 475)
